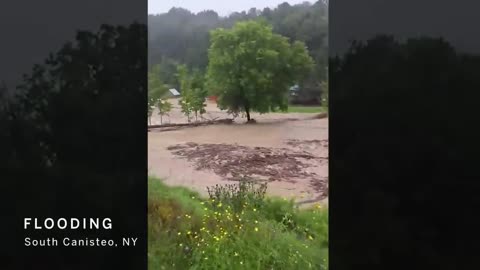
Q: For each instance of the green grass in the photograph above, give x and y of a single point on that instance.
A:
(236, 228)
(306, 109)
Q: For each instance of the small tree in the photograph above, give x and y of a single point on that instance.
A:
(164, 107)
(198, 102)
(185, 100)
(186, 106)
(251, 68)
(151, 104)
(192, 91)
(156, 90)
(149, 113)
(199, 93)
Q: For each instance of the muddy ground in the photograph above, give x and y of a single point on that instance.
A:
(292, 156)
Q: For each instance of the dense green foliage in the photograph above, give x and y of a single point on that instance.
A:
(182, 37)
(251, 68)
(237, 228)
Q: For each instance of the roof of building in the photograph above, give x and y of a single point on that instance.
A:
(174, 92)
(295, 88)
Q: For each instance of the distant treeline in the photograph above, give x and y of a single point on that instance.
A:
(182, 37)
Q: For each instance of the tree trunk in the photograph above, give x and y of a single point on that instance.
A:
(161, 119)
(247, 111)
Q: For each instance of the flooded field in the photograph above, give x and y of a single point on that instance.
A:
(290, 151)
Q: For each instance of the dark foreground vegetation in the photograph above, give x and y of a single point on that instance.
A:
(237, 227)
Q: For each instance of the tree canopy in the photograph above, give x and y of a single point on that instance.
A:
(182, 37)
(251, 68)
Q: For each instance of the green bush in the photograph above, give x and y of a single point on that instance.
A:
(238, 196)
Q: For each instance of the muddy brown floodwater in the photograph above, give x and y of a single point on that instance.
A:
(291, 155)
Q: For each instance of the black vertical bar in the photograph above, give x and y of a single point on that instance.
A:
(404, 134)
(73, 134)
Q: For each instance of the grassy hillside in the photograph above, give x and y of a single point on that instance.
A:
(306, 109)
(236, 228)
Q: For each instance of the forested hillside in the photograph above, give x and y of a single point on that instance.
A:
(182, 37)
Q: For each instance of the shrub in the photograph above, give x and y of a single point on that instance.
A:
(238, 195)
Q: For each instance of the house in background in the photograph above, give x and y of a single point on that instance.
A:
(305, 95)
(212, 99)
(294, 90)
(172, 93)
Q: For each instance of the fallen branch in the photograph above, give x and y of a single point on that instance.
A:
(209, 119)
(194, 124)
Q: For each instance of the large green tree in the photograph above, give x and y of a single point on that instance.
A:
(251, 68)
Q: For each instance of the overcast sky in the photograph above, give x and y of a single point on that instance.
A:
(222, 7)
